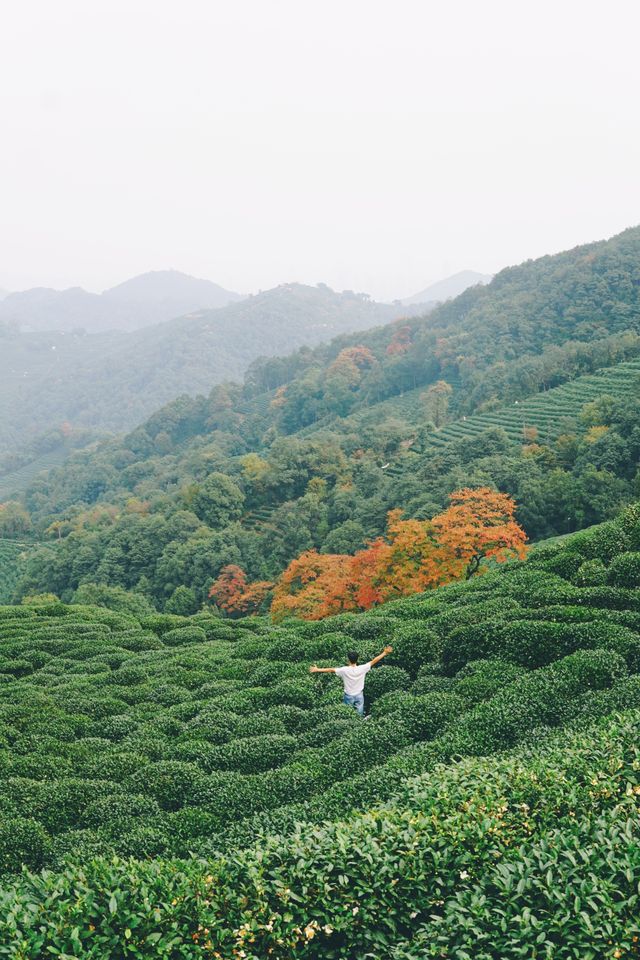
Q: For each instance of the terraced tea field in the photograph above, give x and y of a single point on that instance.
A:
(15, 481)
(195, 792)
(546, 411)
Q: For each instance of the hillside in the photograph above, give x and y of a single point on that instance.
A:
(11, 552)
(142, 301)
(542, 416)
(450, 287)
(111, 381)
(500, 762)
(315, 449)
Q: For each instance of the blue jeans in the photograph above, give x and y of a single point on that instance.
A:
(356, 701)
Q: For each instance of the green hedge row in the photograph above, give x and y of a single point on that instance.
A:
(535, 852)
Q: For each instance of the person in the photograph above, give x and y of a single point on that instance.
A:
(352, 677)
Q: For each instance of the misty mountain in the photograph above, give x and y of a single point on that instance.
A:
(110, 381)
(3, 294)
(142, 301)
(343, 433)
(450, 287)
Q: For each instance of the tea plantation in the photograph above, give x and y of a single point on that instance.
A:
(183, 787)
(547, 412)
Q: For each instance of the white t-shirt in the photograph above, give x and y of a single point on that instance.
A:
(353, 678)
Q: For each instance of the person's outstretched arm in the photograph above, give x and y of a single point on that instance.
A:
(315, 669)
(381, 656)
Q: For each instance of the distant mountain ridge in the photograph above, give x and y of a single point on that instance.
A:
(448, 288)
(139, 302)
(112, 380)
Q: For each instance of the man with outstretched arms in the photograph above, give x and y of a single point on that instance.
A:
(353, 676)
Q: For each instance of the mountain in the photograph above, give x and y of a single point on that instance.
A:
(315, 448)
(111, 381)
(451, 287)
(3, 294)
(163, 294)
(142, 301)
(43, 308)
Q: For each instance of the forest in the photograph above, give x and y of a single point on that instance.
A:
(68, 381)
(315, 450)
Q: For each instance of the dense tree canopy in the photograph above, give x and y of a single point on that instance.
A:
(312, 452)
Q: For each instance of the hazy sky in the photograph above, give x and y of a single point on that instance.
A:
(377, 146)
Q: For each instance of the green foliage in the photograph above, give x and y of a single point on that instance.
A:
(115, 598)
(545, 826)
(384, 679)
(218, 500)
(11, 552)
(184, 636)
(209, 741)
(591, 573)
(624, 570)
(314, 449)
(182, 602)
(482, 679)
(23, 842)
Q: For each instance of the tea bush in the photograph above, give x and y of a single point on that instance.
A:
(545, 827)
(624, 570)
(194, 737)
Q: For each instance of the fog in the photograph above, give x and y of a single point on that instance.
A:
(374, 146)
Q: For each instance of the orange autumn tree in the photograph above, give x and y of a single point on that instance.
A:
(415, 560)
(480, 523)
(234, 595)
(314, 585)
(409, 560)
(414, 556)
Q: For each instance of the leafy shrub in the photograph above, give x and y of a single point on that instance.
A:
(183, 636)
(566, 564)
(161, 623)
(603, 542)
(330, 730)
(481, 679)
(533, 643)
(545, 697)
(113, 810)
(254, 754)
(429, 682)
(17, 668)
(329, 646)
(114, 765)
(390, 702)
(414, 644)
(591, 573)
(567, 806)
(624, 570)
(424, 716)
(172, 783)
(23, 842)
(384, 679)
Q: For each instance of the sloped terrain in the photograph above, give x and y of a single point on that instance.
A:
(192, 737)
(111, 381)
(11, 552)
(547, 412)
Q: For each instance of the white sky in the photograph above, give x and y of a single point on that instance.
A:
(377, 146)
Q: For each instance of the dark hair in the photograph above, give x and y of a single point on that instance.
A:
(352, 656)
